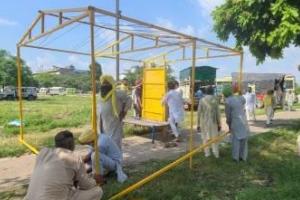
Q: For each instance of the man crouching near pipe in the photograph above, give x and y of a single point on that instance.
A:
(110, 156)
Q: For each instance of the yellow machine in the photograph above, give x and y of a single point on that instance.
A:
(154, 88)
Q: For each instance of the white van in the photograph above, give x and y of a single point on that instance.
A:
(44, 91)
(57, 91)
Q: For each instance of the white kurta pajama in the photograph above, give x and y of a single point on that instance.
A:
(208, 121)
(250, 105)
(290, 98)
(110, 157)
(237, 122)
(112, 125)
(174, 101)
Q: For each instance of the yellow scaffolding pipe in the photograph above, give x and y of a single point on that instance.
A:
(112, 45)
(33, 149)
(191, 143)
(19, 65)
(241, 72)
(94, 106)
(168, 167)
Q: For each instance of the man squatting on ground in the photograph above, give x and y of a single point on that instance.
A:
(112, 108)
(238, 125)
(59, 174)
(209, 120)
(173, 99)
(109, 154)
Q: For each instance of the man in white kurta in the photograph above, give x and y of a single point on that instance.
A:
(174, 101)
(238, 126)
(289, 99)
(250, 104)
(209, 122)
(59, 173)
(112, 108)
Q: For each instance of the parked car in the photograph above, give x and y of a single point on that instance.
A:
(57, 91)
(44, 91)
(29, 93)
(8, 93)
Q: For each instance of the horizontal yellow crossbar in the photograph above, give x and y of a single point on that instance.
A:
(168, 167)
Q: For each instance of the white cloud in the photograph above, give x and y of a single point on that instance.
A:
(45, 61)
(78, 62)
(187, 30)
(166, 23)
(41, 62)
(207, 6)
(204, 30)
(6, 22)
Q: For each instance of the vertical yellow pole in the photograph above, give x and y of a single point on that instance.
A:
(192, 100)
(19, 65)
(118, 12)
(241, 72)
(93, 76)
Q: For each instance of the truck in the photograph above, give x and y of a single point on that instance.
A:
(11, 93)
(43, 91)
(259, 82)
(204, 76)
(8, 93)
(29, 93)
(57, 91)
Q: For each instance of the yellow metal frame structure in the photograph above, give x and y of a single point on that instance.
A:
(136, 39)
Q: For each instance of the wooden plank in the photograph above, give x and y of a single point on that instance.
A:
(142, 122)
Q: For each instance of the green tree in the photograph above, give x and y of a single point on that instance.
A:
(266, 26)
(79, 81)
(98, 75)
(98, 70)
(133, 74)
(136, 72)
(8, 71)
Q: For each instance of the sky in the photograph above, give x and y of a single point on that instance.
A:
(187, 16)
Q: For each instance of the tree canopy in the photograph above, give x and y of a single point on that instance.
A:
(8, 71)
(79, 81)
(136, 72)
(266, 26)
(98, 70)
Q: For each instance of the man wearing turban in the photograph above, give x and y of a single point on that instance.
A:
(112, 108)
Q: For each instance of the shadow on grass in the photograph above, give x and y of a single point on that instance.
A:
(14, 194)
(272, 172)
(278, 123)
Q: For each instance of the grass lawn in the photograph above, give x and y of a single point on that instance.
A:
(272, 172)
(44, 115)
(40, 116)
